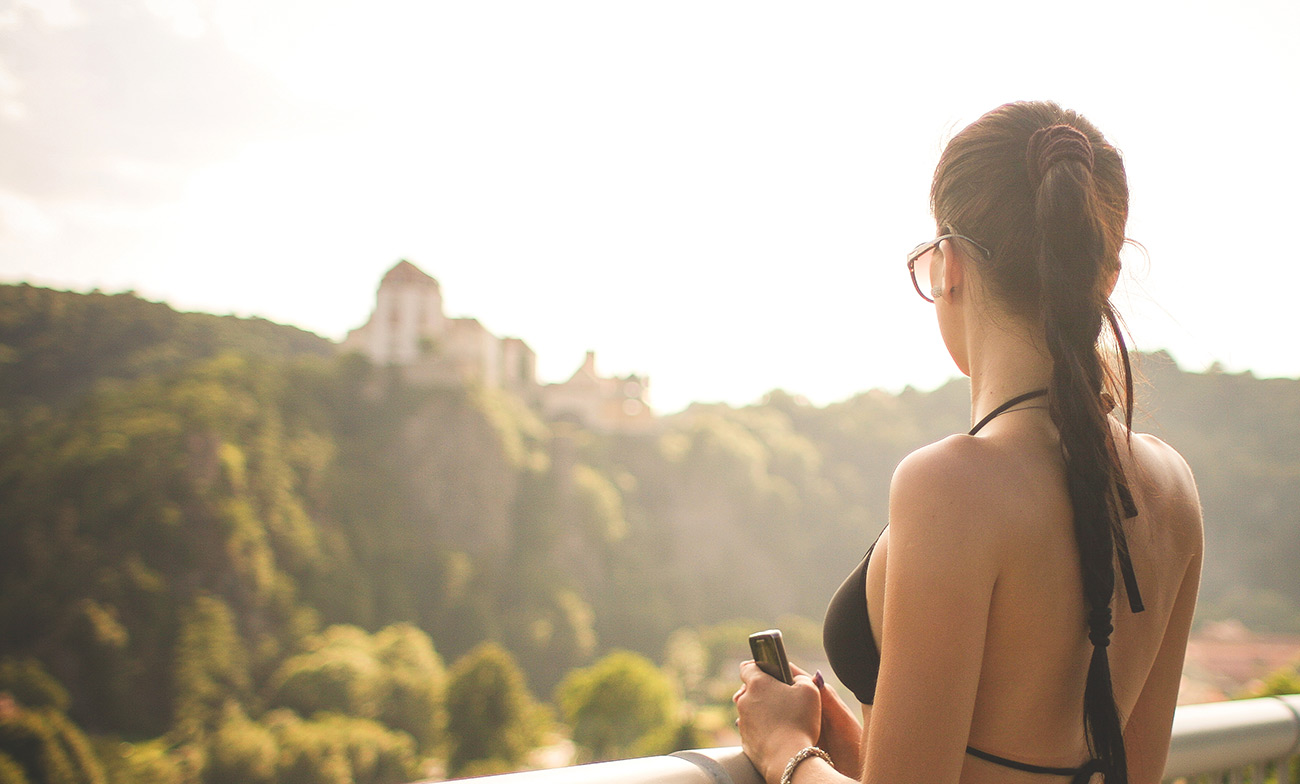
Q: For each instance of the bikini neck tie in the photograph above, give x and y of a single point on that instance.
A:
(1002, 409)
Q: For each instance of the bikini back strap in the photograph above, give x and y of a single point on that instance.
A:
(1080, 774)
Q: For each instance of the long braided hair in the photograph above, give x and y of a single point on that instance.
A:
(1042, 189)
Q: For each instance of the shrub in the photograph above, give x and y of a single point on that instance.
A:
(615, 703)
(241, 750)
(414, 683)
(491, 715)
(337, 673)
(333, 749)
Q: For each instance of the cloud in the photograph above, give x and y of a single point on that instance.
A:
(116, 104)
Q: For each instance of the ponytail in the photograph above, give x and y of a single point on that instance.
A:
(1073, 268)
(1041, 188)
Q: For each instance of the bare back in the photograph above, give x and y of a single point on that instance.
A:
(1013, 513)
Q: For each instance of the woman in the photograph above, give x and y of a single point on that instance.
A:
(965, 632)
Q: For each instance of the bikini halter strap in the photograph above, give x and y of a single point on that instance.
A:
(1125, 498)
(1002, 409)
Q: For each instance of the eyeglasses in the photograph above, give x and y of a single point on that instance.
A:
(918, 263)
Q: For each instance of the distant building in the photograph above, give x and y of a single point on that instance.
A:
(408, 329)
(603, 403)
(407, 322)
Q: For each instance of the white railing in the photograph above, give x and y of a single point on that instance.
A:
(1238, 741)
(1241, 741)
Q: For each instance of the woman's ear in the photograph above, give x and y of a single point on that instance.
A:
(1111, 281)
(952, 271)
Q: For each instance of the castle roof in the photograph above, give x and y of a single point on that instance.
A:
(404, 272)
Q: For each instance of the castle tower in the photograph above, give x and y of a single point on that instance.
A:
(407, 322)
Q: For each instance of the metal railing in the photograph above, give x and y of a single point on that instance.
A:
(1238, 741)
(1255, 740)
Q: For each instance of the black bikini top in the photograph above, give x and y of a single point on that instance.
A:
(846, 633)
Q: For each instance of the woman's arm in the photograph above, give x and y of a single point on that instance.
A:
(941, 567)
(940, 570)
(1146, 735)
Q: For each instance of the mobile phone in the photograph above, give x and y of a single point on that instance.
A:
(769, 654)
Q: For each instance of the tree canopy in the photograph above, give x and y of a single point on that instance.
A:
(222, 541)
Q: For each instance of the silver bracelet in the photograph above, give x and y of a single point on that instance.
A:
(809, 751)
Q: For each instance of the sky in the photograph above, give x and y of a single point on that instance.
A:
(716, 194)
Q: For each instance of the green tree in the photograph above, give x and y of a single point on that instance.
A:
(336, 673)
(375, 754)
(395, 677)
(211, 666)
(333, 749)
(306, 755)
(615, 704)
(491, 715)
(414, 683)
(240, 750)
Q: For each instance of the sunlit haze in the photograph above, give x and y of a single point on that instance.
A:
(716, 194)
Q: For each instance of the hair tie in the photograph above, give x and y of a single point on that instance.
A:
(1053, 144)
(1099, 627)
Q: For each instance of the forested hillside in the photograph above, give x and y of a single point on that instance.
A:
(217, 534)
(1241, 436)
(55, 344)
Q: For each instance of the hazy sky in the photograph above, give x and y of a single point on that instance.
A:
(717, 194)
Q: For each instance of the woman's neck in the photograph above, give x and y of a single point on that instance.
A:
(1007, 358)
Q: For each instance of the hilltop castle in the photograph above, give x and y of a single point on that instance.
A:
(408, 329)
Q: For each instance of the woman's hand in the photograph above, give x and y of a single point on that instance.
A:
(776, 720)
(841, 735)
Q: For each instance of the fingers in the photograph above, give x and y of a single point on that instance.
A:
(749, 670)
(829, 693)
(841, 733)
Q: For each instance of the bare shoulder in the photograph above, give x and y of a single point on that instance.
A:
(1168, 482)
(948, 490)
(1163, 456)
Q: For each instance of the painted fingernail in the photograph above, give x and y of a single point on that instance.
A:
(818, 679)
